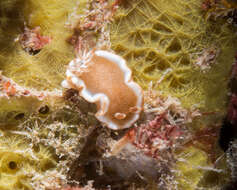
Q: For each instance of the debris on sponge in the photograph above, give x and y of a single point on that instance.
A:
(92, 28)
(225, 9)
(207, 59)
(32, 41)
(9, 88)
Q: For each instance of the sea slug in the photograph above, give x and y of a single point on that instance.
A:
(103, 78)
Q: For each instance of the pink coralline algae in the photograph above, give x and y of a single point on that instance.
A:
(152, 138)
(206, 5)
(155, 136)
(165, 129)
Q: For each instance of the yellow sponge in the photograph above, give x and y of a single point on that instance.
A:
(46, 69)
(162, 39)
(18, 162)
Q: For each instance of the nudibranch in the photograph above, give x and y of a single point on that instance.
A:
(103, 78)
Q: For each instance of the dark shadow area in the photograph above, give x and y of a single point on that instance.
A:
(105, 172)
(11, 21)
(228, 133)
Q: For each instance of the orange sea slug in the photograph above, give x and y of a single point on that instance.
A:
(104, 78)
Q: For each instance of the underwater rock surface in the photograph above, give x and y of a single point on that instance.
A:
(181, 53)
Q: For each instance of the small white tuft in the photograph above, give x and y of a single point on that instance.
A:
(65, 84)
(69, 73)
(72, 63)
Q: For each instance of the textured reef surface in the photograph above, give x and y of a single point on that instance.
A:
(162, 40)
(182, 54)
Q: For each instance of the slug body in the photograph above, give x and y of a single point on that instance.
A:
(105, 79)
